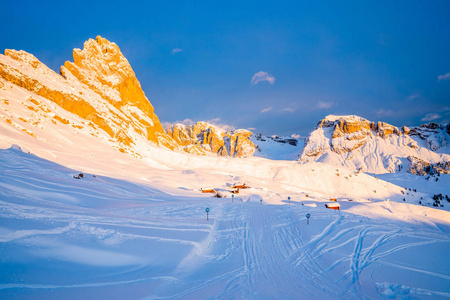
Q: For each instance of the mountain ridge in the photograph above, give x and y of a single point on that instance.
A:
(120, 122)
(99, 95)
(375, 147)
(101, 89)
(203, 137)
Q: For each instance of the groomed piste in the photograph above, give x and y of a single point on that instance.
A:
(99, 237)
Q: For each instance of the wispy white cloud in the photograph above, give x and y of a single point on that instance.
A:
(324, 105)
(430, 117)
(188, 122)
(384, 112)
(288, 109)
(444, 77)
(218, 123)
(176, 50)
(266, 109)
(262, 76)
(413, 96)
(296, 136)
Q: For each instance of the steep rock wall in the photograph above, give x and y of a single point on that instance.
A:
(99, 87)
(202, 137)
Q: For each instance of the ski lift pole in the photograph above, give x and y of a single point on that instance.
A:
(207, 213)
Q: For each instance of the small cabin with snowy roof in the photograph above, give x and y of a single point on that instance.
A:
(240, 186)
(333, 205)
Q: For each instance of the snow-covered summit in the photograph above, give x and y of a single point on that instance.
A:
(375, 147)
(334, 118)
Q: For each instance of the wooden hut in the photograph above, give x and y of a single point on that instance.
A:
(240, 186)
(333, 205)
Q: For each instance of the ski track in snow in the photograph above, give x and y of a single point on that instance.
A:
(151, 245)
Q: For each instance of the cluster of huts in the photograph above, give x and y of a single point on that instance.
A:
(235, 189)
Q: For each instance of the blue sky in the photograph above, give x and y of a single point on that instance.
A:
(276, 67)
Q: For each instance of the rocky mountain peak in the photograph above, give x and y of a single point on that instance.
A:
(203, 137)
(99, 87)
(104, 59)
(101, 90)
(376, 147)
(102, 66)
(354, 124)
(104, 69)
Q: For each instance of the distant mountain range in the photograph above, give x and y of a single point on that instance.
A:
(98, 96)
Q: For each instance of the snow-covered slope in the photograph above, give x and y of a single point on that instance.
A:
(359, 144)
(135, 227)
(278, 148)
(102, 238)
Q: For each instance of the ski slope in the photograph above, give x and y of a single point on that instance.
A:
(105, 238)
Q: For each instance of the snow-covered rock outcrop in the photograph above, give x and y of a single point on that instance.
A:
(418, 166)
(99, 90)
(203, 137)
(435, 136)
(375, 147)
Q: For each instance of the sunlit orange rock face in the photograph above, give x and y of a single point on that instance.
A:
(72, 102)
(203, 137)
(349, 133)
(102, 67)
(99, 86)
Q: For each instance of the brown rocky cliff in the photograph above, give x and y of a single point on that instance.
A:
(345, 126)
(240, 144)
(103, 68)
(15, 71)
(203, 137)
(348, 133)
(352, 124)
(376, 147)
(99, 86)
